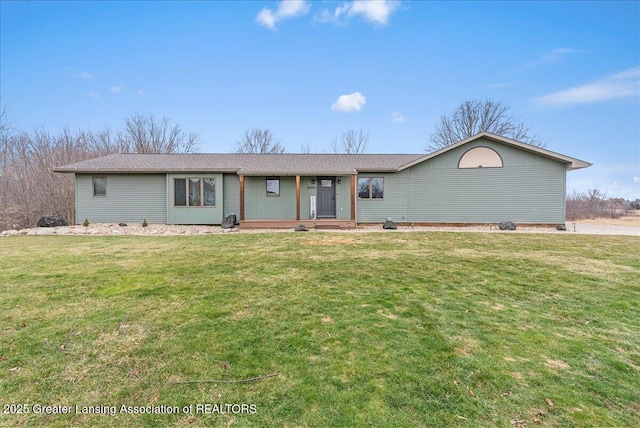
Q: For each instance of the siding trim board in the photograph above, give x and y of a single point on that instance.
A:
(529, 187)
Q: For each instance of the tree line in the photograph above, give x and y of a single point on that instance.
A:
(595, 203)
(30, 189)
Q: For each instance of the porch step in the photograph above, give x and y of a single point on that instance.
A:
(286, 224)
(324, 226)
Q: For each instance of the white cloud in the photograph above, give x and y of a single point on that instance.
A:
(141, 92)
(551, 56)
(94, 95)
(621, 85)
(349, 103)
(375, 11)
(397, 118)
(286, 9)
(636, 179)
(116, 89)
(84, 76)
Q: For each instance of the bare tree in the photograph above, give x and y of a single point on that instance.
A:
(305, 148)
(589, 204)
(351, 142)
(475, 116)
(146, 134)
(258, 141)
(30, 189)
(6, 129)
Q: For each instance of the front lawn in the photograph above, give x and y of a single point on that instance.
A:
(321, 329)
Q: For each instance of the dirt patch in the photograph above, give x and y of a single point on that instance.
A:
(389, 316)
(465, 345)
(557, 364)
(336, 240)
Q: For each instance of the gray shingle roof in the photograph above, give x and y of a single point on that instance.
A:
(245, 164)
(286, 164)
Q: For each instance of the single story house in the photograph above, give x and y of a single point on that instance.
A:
(483, 179)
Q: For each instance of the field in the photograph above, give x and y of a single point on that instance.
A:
(320, 329)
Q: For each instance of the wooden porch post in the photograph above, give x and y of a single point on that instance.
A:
(242, 198)
(297, 197)
(353, 197)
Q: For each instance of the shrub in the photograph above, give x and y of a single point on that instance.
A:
(85, 223)
(144, 223)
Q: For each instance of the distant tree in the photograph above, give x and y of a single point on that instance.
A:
(146, 134)
(258, 141)
(306, 149)
(6, 128)
(351, 142)
(617, 207)
(475, 116)
(589, 204)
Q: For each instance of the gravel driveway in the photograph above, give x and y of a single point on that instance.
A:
(597, 229)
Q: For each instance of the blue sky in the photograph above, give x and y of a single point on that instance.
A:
(311, 70)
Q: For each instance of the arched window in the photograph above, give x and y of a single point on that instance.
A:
(480, 157)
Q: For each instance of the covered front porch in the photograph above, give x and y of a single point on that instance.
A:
(315, 201)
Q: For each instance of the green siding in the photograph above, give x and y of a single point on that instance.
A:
(528, 189)
(231, 192)
(343, 197)
(259, 206)
(393, 204)
(307, 190)
(194, 215)
(131, 198)
(489, 195)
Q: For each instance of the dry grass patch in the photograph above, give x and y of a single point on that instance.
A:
(557, 364)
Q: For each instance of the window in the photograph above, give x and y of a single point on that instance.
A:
(99, 186)
(273, 186)
(209, 192)
(194, 192)
(480, 157)
(371, 188)
(180, 192)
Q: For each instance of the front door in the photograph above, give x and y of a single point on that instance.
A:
(326, 197)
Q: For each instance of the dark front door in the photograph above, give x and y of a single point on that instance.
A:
(326, 197)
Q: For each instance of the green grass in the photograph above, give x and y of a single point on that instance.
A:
(383, 329)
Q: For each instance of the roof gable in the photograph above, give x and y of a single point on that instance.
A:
(571, 163)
